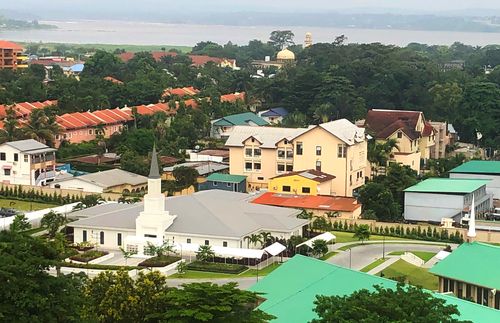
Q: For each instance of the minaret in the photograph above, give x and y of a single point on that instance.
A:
(471, 233)
(154, 220)
(308, 41)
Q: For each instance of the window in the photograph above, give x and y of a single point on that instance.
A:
(26, 158)
(6, 172)
(318, 150)
(286, 188)
(482, 296)
(299, 148)
(400, 135)
(260, 178)
(248, 152)
(256, 152)
(256, 166)
(306, 190)
(281, 168)
(224, 243)
(101, 237)
(16, 157)
(289, 167)
(84, 235)
(281, 153)
(2, 156)
(318, 165)
(341, 151)
(289, 154)
(90, 131)
(468, 291)
(119, 239)
(228, 184)
(188, 240)
(497, 301)
(132, 248)
(150, 235)
(215, 183)
(248, 166)
(207, 242)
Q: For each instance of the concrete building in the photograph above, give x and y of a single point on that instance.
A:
(307, 182)
(113, 180)
(414, 135)
(224, 182)
(213, 217)
(438, 198)
(10, 54)
(337, 147)
(204, 168)
(481, 169)
(290, 291)
(471, 272)
(221, 128)
(27, 162)
(215, 155)
(442, 139)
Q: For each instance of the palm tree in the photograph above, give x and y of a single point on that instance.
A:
(254, 239)
(266, 237)
(10, 131)
(42, 126)
(205, 253)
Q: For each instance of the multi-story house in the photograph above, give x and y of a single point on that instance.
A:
(414, 135)
(337, 148)
(27, 162)
(9, 53)
(442, 139)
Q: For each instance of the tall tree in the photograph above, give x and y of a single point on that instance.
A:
(281, 38)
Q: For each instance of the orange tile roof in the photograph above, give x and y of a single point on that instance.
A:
(113, 80)
(233, 97)
(320, 202)
(24, 109)
(5, 44)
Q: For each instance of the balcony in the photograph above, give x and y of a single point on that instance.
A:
(43, 177)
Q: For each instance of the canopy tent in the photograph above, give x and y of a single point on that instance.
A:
(327, 236)
(275, 249)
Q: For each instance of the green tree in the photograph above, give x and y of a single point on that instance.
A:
(379, 199)
(185, 176)
(10, 130)
(165, 249)
(42, 126)
(20, 223)
(362, 232)
(281, 38)
(402, 304)
(205, 253)
(89, 201)
(254, 239)
(52, 221)
(319, 247)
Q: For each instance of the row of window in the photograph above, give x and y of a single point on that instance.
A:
(288, 153)
(90, 132)
(287, 188)
(3, 156)
(341, 150)
(482, 294)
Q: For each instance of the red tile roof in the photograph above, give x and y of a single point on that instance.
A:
(113, 80)
(428, 129)
(24, 109)
(312, 174)
(320, 202)
(5, 44)
(233, 97)
(198, 60)
(384, 123)
(181, 91)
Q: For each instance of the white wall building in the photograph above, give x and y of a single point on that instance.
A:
(481, 169)
(215, 218)
(437, 198)
(27, 162)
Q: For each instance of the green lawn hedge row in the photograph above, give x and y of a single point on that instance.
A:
(216, 267)
(159, 261)
(97, 266)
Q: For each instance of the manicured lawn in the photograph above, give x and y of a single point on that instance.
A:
(262, 272)
(329, 255)
(194, 274)
(352, 245)
(162, 261)
(373, 265)
(424, 255)
(24, 205)
(348, 237)
(414, 275)
(34, 230)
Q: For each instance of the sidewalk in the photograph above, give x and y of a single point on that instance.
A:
(384, 265)
(368, 242)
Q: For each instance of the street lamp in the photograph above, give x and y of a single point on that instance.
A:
(350, 257)
(383, 248)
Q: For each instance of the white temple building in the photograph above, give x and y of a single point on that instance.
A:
(214, 217)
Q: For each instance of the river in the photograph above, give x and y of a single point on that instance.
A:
(144, 33)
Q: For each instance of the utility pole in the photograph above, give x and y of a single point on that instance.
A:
(350, 258)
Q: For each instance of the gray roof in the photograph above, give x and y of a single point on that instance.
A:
(203, 167)
(154, 171)
(110, 178)
(209, 213)
(30, 146)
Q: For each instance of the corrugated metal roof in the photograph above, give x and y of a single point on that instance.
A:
(448, 185)
(241, 119)
(226, 178)
(479, 167)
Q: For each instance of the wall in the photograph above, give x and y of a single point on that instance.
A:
(232, 187)
(87, 134)
(432, 207)
(296, 184)
(63, 192)
(356, 214)
(412, 160)
(493, 187)
(110, 237)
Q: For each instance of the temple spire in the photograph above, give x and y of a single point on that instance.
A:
(471, 233)
(154, 171)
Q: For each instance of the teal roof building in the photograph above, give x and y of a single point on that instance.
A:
(481, 169)
(221, 127)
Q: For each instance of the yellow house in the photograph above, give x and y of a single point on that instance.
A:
(308, 182)
(414, 135)
(338, 148)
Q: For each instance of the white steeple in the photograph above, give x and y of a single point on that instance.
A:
(471, 233)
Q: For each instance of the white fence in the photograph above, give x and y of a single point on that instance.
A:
(412, 259)
(36, 216)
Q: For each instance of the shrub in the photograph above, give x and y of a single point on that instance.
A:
(160, 261)
(97, 266)
(89, 255)
(216, 267)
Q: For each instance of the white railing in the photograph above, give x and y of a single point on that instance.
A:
(412, 259)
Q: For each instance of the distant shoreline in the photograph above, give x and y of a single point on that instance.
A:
(113, 47)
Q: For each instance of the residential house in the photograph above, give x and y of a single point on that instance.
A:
(204, 168)
(9, 55)
(442, 139)
(307, 182)
(435, 199)
(481, 169)
(225, 182)
(215, 155)
(233, 97)
(27, 162)
(214, 217)
(289, 292)
(337, 147)
(471, 272)
(24, 109)
(221, 128)
(414, 135)
(330, 207)
(274, 115)
(180, 92)
(109, 181)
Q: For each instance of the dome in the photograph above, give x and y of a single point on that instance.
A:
(286, 55)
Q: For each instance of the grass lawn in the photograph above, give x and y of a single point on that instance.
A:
(262, 272)
(424, 255)
(413, 274)
(329, 255)
(352, 245)
(373, 265)
(34, 230)
(193, 274)
(348, 237)
(24, 205)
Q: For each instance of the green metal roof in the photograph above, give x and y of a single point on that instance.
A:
(226, 178)
(241, 119)
(478, 167)
(291, 290)
(475, 263)
(448, 185)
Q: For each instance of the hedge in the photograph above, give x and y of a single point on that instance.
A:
(17, 193)
(216, 267)
(88, 255)
(159, 261)
(97, 266)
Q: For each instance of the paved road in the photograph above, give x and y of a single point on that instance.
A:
(362, 256)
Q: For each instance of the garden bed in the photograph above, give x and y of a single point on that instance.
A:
(159, 261)
(216, 267)
(97, 266)
(88, 256)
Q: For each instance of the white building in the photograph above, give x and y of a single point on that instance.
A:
(481, 169)
(27, 162)
(438, 198)
(215, 218)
